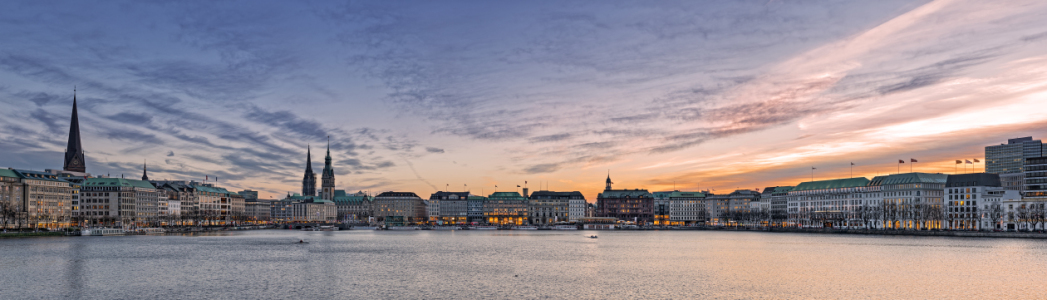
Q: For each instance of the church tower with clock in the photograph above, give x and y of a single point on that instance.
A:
(74, 151)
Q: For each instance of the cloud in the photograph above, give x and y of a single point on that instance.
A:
(170, 153)
(434, 150)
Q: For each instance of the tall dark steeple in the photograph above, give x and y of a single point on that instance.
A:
(309, 181)
(145, 175)
(608, 188)
(74, 151)
(327, 178)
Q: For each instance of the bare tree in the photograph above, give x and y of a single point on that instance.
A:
(1023, 214)
(1037, 215)
(995, 214)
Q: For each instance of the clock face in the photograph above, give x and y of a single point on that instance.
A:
(76, 160)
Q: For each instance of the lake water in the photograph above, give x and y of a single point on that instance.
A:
(521, 264)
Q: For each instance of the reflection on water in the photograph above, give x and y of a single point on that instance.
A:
(520, 264)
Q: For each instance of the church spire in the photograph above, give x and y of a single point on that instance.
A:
(74, 151)
(608, 188)
(145, 176)
(308, 159)
(309, 180)
(327, 178)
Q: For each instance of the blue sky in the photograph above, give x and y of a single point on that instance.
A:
(424, 95)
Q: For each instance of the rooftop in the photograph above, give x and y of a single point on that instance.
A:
(908, 178)
(832, 184)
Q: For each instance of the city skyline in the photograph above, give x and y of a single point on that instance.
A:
(671, 96)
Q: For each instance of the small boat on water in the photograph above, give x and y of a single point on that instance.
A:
(364, 228)
(402, 228)
(592, 236)
(565, 227)
(444, 228)
(486, 227)
(525, 228)
(102, 231)
(328, 228)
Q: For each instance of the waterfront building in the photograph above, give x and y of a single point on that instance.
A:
(1008, 160)
(451, 207)
(46, 199)
(779, 198)
(186, 196)
(248, 195)
(678, 208)
(1035, 179)
(400, 208)
(576, 208)
(215, 203)
(303, 209)
(508, 208)
(629, 205)
(970, 199)
(432, 209)
(828, 203)
(114, 201)
(909, 200)
(147, 199)
(11, 204)
(352, 207)
(475, 209)
(74, 151)
(237, 210)
(309, 180)
(547, 207)
(327, 177)
(257, 211)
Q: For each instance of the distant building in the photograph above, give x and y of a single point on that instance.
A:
(46, 199)
(778, 197)
(1008, 160)
(400, 208)
(1035, 179)
(354, 207)
(909, 200)
(548, 207)
(257, 211)
(678, 208)
(475, 209)
(303, 209)
(507, 208)
(627, 205)
(968, 198)
(248, 195)
(116, 201)
(828, 203)
(451, 207)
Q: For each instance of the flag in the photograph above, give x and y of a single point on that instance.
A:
(517, 185)
(912, 159)
(976, 160)
(813, 168)
(901, 161)
(852, 164)
(958, 162)
(969, 162)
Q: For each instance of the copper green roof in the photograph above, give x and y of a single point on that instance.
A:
(909, 178)
(506, 196)
(8, 173)
(201, 188)
(346, 200)
(118, 182)
(832, 184)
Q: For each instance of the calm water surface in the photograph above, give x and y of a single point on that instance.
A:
(521, 264)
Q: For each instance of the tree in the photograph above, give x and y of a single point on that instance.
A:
(995, 214)
(1022, 215)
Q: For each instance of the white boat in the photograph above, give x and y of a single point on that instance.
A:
(565, 227)
(328, 228)
(364, 228)
(486, 227)
(402, 228)
(525, 228)
(102, 231)
(445, 228)
(152, 230)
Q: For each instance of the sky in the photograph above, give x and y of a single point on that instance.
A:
(421, 96)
